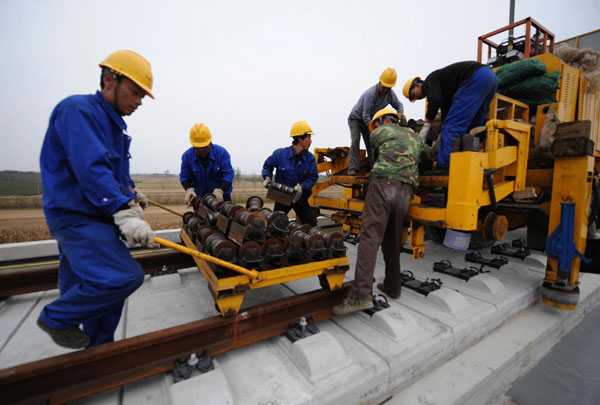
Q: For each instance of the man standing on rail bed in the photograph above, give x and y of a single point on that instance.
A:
(393, 179)
(463, 91)
(371, 101)
(205, 167)
(297, 168)
(89, 201)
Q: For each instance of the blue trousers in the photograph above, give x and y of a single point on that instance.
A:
(95, 276)
(469, 106)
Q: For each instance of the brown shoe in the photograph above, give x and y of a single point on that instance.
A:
(351, 304)
(381, 287)
(72, 338)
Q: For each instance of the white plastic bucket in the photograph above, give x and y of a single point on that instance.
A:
(457, 240)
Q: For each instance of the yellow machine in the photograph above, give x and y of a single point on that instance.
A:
(498, 185)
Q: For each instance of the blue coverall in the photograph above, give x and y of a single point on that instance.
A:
(85, 173)
(205, 179)
(469, 106)
(291, 170)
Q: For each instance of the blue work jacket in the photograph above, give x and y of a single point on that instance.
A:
(85, 162)
(292, 170)
(206, 179)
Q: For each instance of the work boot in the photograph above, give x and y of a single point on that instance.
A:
(352, 172)
(381, 287)
(351, 304)
(72, 338)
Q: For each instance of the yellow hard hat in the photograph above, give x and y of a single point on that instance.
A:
(131, 65)
(381, 113)
(406, 89)
(301, 128)
(388, 77)
(200, 135)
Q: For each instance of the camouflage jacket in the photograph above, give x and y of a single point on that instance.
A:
(396, 152)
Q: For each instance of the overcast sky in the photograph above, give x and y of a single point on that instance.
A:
(248, 69)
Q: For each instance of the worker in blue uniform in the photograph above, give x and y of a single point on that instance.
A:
(297, 168)
(89, 201)
(463, 91)
(205, 167)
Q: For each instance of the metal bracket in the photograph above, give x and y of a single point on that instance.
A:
(422, 287)
(503, 249)
(298, 330)
(464, 274)
(475, 257)
(184, 368)
(163, 270)
(351, 237)
(379, 303)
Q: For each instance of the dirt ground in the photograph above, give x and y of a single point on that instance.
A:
(28, 225)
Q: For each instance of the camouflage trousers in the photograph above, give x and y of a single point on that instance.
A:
(383, 216)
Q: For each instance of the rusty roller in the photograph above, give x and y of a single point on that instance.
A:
(254, 225)
(249, 255)
(333, 240)
(229, 209)
(283, 188)
(201, 209)
(273, 254)
(254, 203)
(210, 200)
(191, 223)
(221, 248)
(278, 222)
(313, 244)
(203, 232)
(294, 226)
(294, 253)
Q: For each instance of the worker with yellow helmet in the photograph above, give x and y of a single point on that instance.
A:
(295, 167)
(463, 91)
(393, 180)
(205, 167)
(372, 100)
(90, 204)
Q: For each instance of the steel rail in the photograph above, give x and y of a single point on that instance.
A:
(24, 280)
(79, 374)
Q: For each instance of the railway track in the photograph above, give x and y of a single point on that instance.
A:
(76, 375)
(25, 278)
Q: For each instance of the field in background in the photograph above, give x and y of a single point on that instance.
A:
(22, 220)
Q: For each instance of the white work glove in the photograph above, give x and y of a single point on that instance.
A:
(424, 131)
(297, 193)
(141, 198)
(218, 193)
(189, 194)
(267, 182)
(133, 227)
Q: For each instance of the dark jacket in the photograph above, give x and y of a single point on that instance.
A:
(441, 85)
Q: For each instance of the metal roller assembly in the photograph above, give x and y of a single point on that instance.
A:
(281, 193)
(273, 254)
(313, 244)
(334, 241)
(254, 203)
(277, 221)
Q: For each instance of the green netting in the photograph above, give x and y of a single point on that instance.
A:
(534, 90)
(516, 72)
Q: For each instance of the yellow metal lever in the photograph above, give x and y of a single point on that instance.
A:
(164, 208)
(253, 274)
